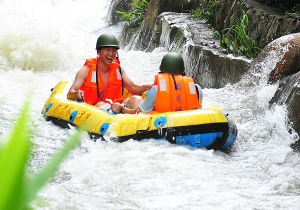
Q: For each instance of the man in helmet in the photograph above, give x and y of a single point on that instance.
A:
(102, 79)
(172, 90)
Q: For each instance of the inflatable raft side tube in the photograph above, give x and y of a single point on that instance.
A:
(220, 141)
(231, 137)
(59, 122)
(169, 133)
(65, 124)
(194, 129)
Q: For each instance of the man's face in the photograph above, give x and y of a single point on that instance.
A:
(107, 54)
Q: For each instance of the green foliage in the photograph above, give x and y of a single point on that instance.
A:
(217, 34)
(207, 15)
(236, 39)
(18, 189)
(197, 13)
(139, 8)
(294, 12)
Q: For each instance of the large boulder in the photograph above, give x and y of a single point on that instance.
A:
(287, 71)
(285, 51)
(290, 62)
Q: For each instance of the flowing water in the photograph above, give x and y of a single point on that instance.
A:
(44, 42)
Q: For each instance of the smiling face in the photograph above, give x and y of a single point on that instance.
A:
(107, 54)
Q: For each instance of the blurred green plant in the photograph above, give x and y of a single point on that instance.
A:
(137, 13)
(19, 189)
(216, 34)
(236, 39)
(207, 15)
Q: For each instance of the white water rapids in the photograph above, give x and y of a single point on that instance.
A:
(44, 42)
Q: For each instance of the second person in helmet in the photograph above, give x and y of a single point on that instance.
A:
(172, 90)
(103, 80)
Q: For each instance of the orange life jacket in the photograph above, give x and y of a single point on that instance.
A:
(114, 87)
(177, 95)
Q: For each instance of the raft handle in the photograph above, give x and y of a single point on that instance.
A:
(159, 129)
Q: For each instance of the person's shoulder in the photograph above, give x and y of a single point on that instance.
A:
(122, 69)
(85, 69)
(90, 61)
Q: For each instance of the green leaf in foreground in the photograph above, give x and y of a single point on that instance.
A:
(13, 159)
(17, 188)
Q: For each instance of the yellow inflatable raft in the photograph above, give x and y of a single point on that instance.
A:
(206, 127)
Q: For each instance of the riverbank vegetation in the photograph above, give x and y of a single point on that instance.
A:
(206, 15)
(137, 12)
(236, 38)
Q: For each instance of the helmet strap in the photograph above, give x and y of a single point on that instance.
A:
(117, 57)
(97, 72)
(120, 70)
(174, 81)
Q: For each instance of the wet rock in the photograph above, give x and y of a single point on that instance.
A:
(142, 33)
(194, 40)
(113, 18)
(212, 69)
(288, 93)
(290, 62)
(286, 70)
(285, 53)
(266, 23)
(293, 108)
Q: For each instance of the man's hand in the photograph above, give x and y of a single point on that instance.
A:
(117, 107)
(147, 87)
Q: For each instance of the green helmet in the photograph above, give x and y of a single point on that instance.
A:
(172, 63)
(107, 40)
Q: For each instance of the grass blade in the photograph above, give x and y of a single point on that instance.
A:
(14, 155)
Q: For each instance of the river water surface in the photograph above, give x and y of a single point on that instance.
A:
(44, 42)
